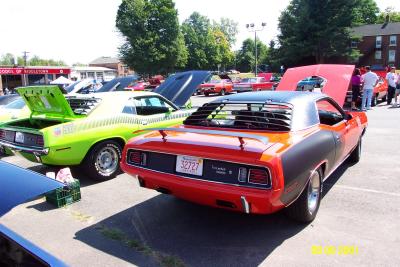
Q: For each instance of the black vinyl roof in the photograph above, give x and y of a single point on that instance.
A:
(304, 114)
(289, 97)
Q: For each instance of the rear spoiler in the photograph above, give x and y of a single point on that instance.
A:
(240, 136)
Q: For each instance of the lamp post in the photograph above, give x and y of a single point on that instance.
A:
(252, 28)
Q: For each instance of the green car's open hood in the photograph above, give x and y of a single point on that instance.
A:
(46, 100)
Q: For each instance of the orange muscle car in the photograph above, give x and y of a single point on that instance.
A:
(256, 152)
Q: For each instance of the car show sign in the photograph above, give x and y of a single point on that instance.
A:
(21, 70)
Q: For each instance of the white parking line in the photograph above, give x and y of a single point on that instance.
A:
(365, 190)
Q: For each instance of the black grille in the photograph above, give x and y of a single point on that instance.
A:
(213, 170)
(266, 116)
(82, 106)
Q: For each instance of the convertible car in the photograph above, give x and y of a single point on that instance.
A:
(90, 130)
(14, 249)
(254, 152)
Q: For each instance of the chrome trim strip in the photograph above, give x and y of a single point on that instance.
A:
(34, 150)
(185, 177)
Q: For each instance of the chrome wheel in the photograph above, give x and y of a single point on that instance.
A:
(107, 160)
(314, 192)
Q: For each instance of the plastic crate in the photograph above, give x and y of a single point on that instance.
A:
(65, 196)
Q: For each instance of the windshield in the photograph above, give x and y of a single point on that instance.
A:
(17, 104)
(215, 81)
(249, 80)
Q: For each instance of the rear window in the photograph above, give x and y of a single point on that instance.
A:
(262, 116)
(17, 104)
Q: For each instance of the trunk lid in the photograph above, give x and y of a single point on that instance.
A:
(231, 145)
(338, 79)
(47, 101)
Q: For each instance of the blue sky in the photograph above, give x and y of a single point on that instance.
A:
(82, 30)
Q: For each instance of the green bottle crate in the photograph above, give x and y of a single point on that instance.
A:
(66, 195)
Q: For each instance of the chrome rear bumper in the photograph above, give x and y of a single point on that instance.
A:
(37, 151)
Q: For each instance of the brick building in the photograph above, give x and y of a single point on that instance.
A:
(112, 63)
(379, 44)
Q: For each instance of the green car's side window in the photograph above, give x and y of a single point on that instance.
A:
(129, 107)
(151, 105)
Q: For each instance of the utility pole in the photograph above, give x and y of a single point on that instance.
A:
(252, 28)
(25, 56)
(25, 77)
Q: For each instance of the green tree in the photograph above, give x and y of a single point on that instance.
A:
(7, 59)
(315, 31)
(208, 45)
(229, 28)
(245, 57)
(199, 40)
(390, 13)
(37, 61)
(151, 29)
(365, 12)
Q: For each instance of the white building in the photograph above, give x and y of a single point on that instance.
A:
(98, 73)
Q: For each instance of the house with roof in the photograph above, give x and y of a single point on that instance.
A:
(378, 44)
(112, 63)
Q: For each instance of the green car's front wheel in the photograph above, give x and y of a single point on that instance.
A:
(102, 162)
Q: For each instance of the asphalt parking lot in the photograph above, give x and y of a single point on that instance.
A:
(117, 223)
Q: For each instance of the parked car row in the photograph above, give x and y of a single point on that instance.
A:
(256, 152)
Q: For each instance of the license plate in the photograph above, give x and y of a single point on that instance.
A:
(189, 165)
(19, 137)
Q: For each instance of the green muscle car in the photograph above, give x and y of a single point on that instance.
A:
(90, 131)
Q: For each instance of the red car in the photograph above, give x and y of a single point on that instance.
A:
(255, 152)
(380, 92)
(220, 86)
(253, 84)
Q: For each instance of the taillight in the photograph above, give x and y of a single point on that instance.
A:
(2, 134)
(257, 176)
(39, 140)
(138, 158)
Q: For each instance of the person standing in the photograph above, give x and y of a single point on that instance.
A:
(391, 78)
(397, 92)
(355, 87)
(370, 80)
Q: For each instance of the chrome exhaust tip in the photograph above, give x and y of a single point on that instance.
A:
(245, 204)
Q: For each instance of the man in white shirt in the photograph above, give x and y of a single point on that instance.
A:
(391, 78)
(370, 79)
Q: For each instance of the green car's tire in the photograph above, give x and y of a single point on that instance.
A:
(102, 161)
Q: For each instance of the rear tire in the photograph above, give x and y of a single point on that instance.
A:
(355, 156)
(206, 94)
(305, 208)
(222, 92)
(102, 161)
